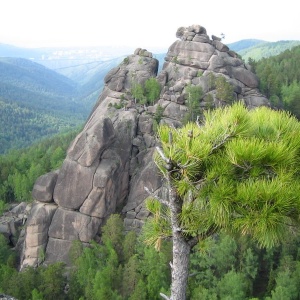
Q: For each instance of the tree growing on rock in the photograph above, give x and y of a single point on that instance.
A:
(146, 93)
(237, 173)
(224, 90)
(194, 95)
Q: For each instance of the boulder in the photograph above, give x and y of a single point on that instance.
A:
(44, 187)
(80, 226)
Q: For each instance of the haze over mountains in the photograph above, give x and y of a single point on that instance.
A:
(44, 91)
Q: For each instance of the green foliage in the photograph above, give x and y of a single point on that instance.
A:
(137, 92)
(199, 73)
(147, 93)
(221, 267)
(53, 281)
(152, 90)
(126, 60)
(3, 207)
(237, 172)
(279, 78)
(262, 49)
(131, 276)
(120, 268)
(35, 102)
(113, 234)
(4, 249)
(224, 90)
(19, 169)
(232, 286)
(211, 81)
(194, 96)
(157, 117)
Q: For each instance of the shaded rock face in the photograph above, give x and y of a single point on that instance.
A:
(110, 162)
(12, 222)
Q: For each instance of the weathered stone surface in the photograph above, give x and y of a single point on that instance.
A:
(191, 53)
(175, 111)
(44, 187)
(245, 76)
(74, 183)
(220, 46)
(37, 233)
(253, 101)
(80, 227)
(105, 192)
(145, 177)
(89, 145)
(58, 251)
(145, 124)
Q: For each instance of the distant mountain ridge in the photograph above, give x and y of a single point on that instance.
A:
(258, 49)
(61, 95)
(35, 102)
(245, 44)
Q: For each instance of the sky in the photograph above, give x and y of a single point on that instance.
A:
(146, 24)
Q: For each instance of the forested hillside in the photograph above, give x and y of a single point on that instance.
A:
(19, 169)
(245, 44)
(266, 49)
(280, 79)
(35, 102)
(122, 267)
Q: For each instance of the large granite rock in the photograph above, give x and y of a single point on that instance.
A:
(110, 162)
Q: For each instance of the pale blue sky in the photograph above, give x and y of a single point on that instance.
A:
(140, 23)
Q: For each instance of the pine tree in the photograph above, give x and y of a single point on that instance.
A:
(237, 172)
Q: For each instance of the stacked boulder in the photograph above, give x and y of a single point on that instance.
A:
(73, 202)
(109, 163)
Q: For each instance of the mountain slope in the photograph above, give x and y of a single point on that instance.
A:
(245, 44)
(34, 102)
(266, 49)
(90, 76)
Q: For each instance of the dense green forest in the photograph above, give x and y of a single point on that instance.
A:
(35, 102)
(279, 78)
(122, 267)
(20, 168)
(262, 49)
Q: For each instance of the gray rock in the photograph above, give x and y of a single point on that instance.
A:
(245, 76)
(74, 183)
(44, 187)
(80, 227)
(90, 143)
(36, 236)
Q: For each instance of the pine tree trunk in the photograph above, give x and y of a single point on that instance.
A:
(181, 249)
(181, 255)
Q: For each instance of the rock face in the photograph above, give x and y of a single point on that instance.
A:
(12, 221)
(110, 162)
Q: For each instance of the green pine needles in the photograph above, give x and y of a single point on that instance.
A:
(239, 172)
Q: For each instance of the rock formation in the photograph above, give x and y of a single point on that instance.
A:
(110, 162)
(13, 220)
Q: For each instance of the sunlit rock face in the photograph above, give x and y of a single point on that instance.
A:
(109, 163)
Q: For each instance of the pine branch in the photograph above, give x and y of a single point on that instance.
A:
(164, 296)
(156, 197)
(219, 145)
(162, 155)
(197, 121)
